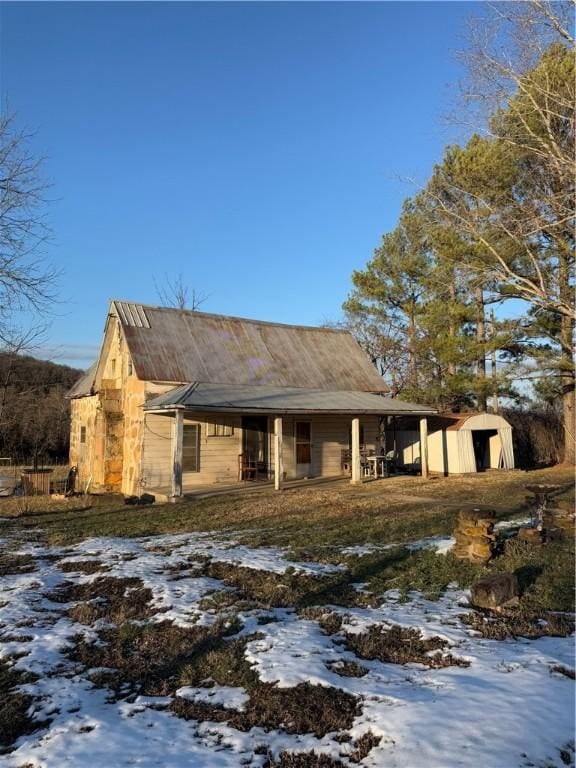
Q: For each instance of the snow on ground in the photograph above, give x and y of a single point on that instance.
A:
(508, 709)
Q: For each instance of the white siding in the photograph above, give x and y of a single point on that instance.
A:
(219, 455)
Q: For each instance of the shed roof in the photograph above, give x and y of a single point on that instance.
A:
(453, 422)
(83, 386)
(173, 345)
(279, 400)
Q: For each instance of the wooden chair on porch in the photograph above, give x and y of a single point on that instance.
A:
(247, 467)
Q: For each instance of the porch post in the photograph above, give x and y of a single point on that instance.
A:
(356, 451)
(278, 458)
(177, 439)
(424, 446)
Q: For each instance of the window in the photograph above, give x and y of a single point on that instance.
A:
(113, 366)
(191, 448)
(220, 430)
(82, 434)
(129, 367)
(303, 442)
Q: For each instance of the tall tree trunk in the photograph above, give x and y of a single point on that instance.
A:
(412, 366)
(452, 327)
(481, 340)
(567, 373)
(495, 404)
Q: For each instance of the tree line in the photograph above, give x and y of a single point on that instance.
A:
(472, 292)
(34, 411)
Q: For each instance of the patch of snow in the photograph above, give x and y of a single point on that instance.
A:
(442, 544)
(505, 709)
(219, 696)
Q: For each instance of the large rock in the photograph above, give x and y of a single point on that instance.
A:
(499, 590)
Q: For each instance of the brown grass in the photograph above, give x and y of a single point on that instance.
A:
(290, 589)
(15, 564)
(303, 760)
(117, 600)
(346, 668)
(519, 623)
(330, 621)
(363, 746)
(83, 566)
(153, 659)
(398, 645)
(14, 705)
(304, 708)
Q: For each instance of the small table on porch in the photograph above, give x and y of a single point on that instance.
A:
(378, 467)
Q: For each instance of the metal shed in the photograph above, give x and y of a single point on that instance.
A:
(457, 443)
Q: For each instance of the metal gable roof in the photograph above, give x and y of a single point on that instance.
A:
(173, 345)
(280, 400)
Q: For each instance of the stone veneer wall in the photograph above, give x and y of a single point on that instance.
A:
(88, 457)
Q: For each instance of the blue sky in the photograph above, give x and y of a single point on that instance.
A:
(254, 147)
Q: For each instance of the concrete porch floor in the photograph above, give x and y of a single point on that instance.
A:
(245, 487)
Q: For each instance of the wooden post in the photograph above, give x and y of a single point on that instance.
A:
(278, 458)
(356, 478)
(424, 446)
(177, 440)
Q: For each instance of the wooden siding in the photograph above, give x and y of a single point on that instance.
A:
(219, 455)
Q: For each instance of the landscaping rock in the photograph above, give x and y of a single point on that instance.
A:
(499, 590)
(474, 535)
(147, 498)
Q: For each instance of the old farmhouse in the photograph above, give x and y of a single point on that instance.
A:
(181, 400)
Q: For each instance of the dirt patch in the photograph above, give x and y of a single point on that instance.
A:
(304, 708)
(15, 564)
(116, 600)
(83, 566)
(512, 624)
(14, 706)
(400, 645)
(155, 659)
(287, 590)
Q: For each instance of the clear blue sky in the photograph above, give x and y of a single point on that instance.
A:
(254, 147)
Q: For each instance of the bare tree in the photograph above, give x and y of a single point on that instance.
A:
(27, 280)
(176, 293)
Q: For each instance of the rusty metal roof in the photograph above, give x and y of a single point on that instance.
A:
(85, 383)
(280, 400)
(173, 345)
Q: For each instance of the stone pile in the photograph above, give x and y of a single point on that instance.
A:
(475, 538)
(559, 522)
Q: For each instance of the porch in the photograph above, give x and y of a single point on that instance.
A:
(203, 438)
(246, 488)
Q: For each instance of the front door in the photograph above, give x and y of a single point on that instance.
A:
(303, 444)
(255, 441)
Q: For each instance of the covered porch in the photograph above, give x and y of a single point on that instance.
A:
(205, 438)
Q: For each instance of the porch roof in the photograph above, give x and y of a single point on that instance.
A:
(236, 398)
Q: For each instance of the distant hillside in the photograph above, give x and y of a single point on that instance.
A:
(34, 413)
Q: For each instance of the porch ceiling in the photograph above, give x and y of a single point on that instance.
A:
(280, 400)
